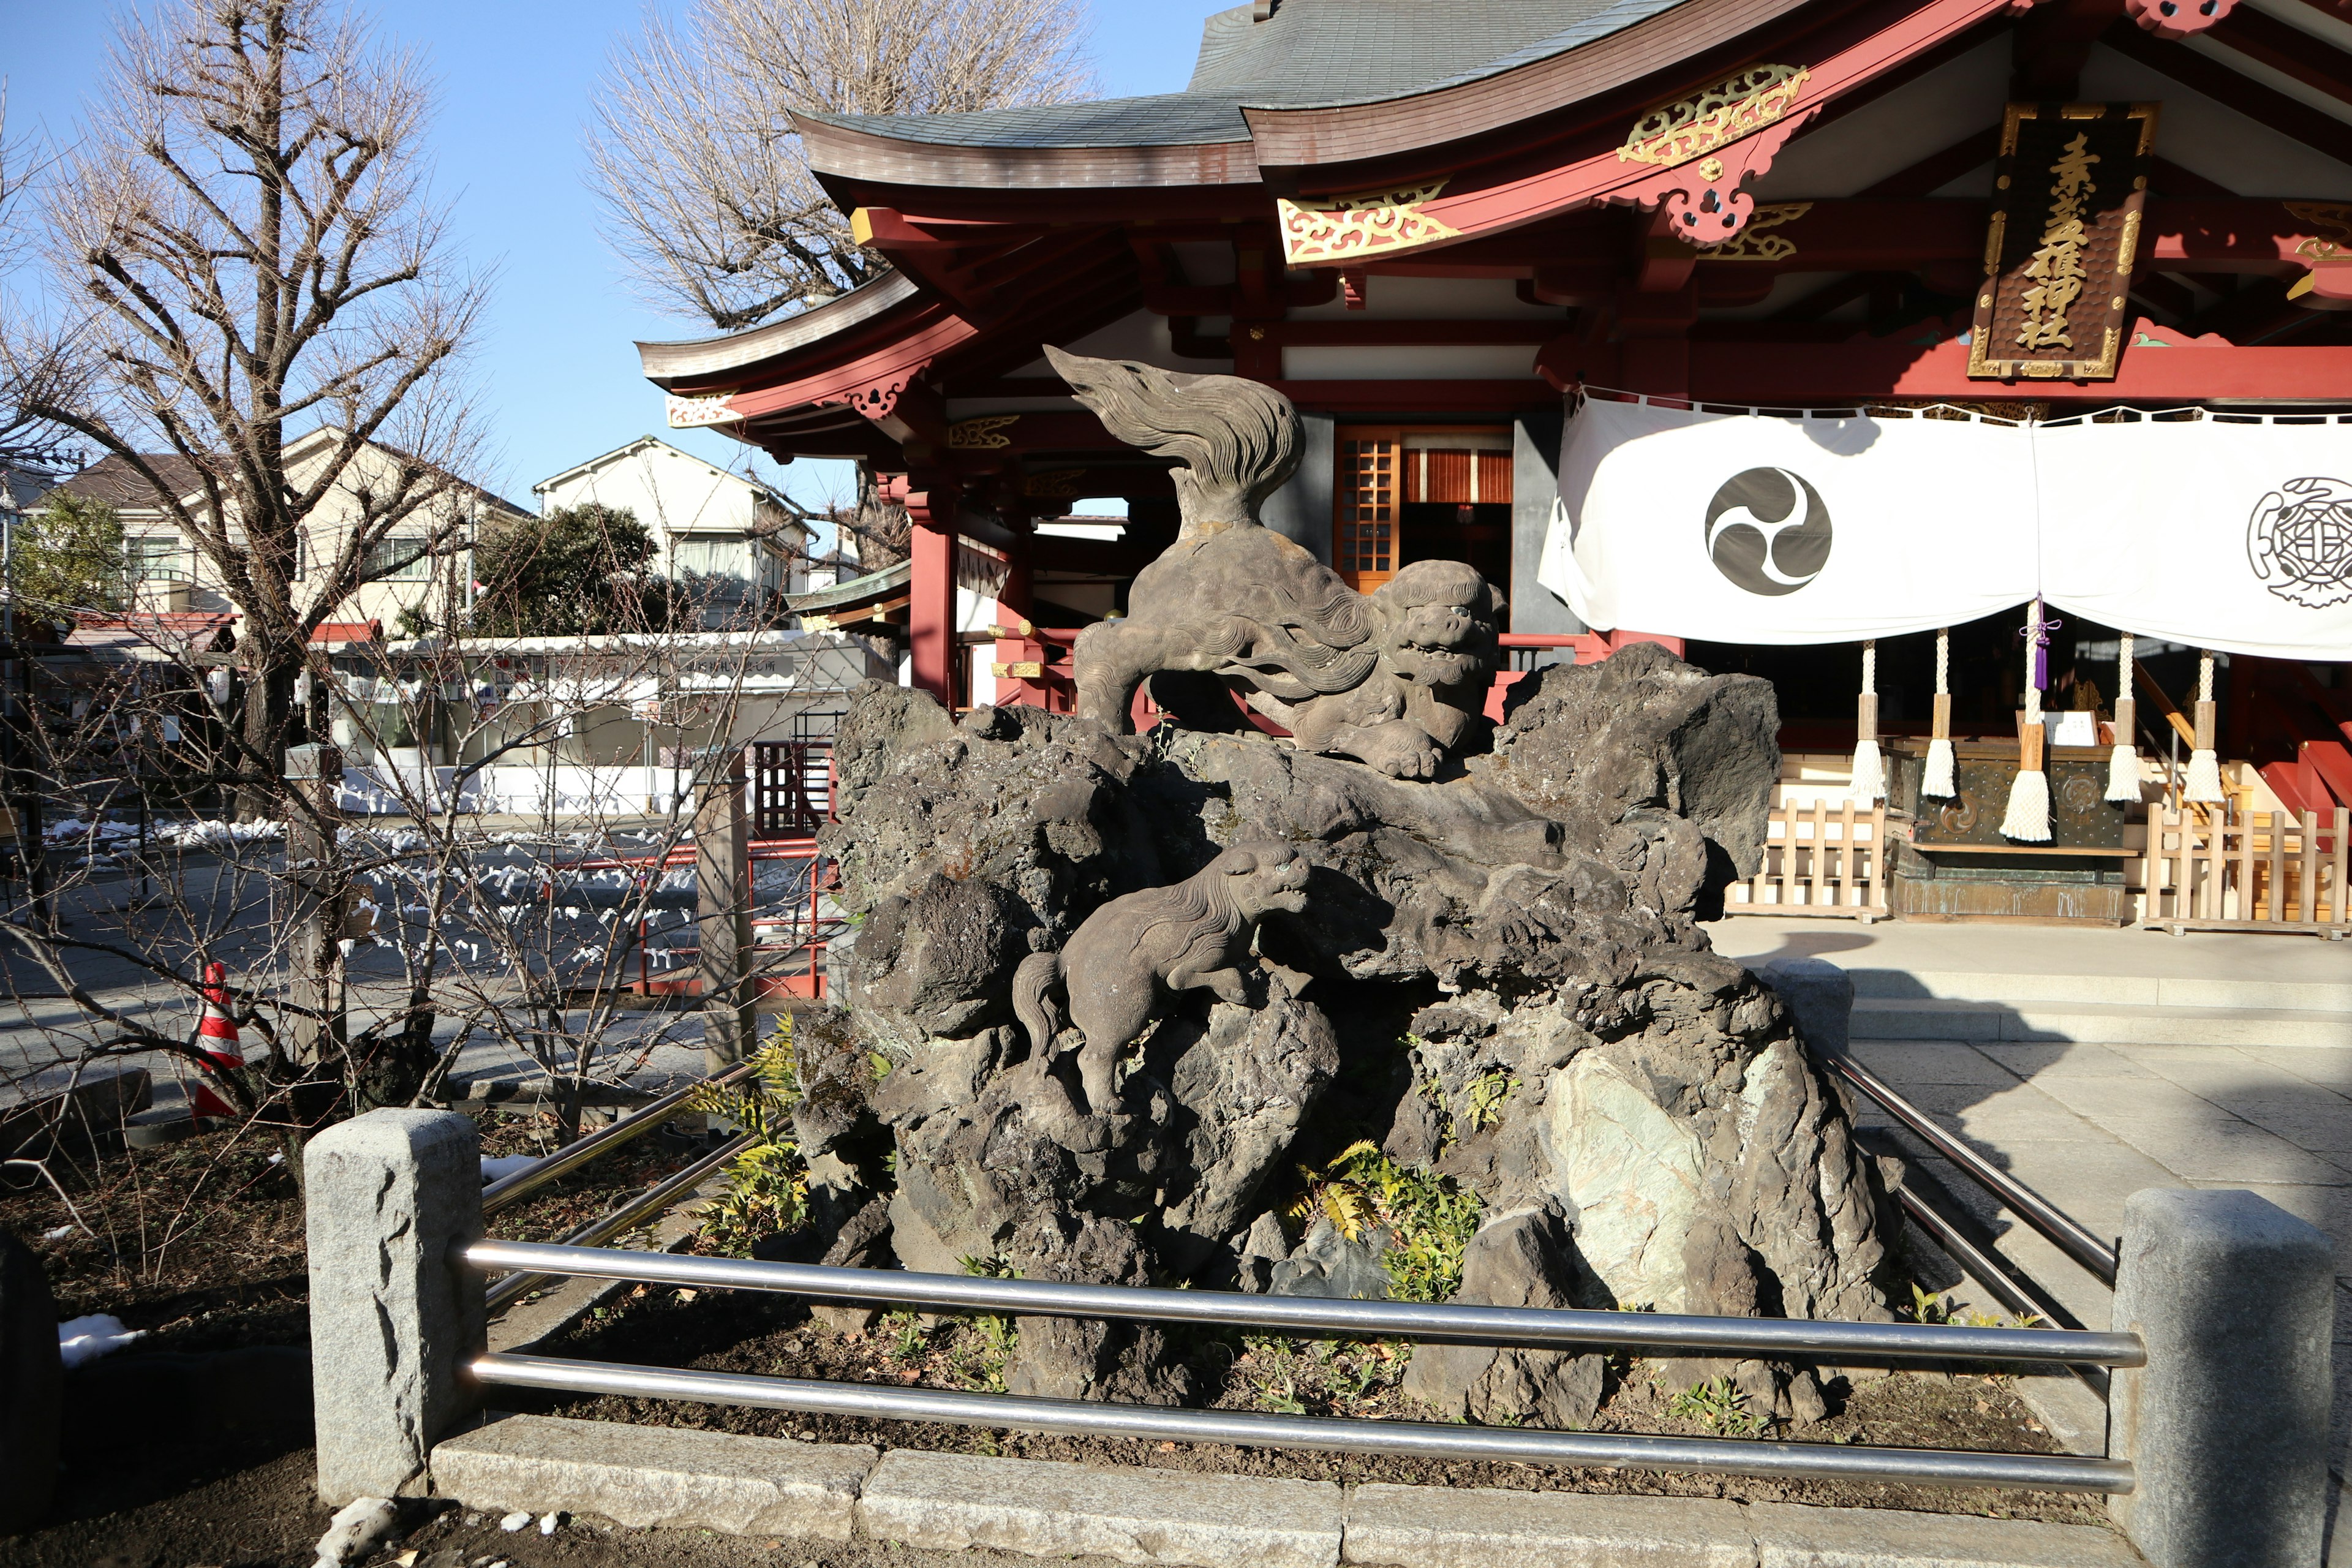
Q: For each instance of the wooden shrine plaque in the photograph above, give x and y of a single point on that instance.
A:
(2067, 195)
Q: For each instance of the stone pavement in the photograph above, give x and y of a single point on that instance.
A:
(2086, 1121)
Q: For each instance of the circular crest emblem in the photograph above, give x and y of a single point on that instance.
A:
(1768, 532)
(2299, 541)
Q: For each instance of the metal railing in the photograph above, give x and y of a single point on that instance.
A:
(1446, 1323)
(2061, 1230)
(515, 1186)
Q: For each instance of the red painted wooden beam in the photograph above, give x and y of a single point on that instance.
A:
(2323, 132)
(2288, 50)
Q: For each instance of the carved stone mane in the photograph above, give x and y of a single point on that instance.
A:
(1236, 441)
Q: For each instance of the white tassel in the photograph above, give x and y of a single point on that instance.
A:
(2204, 764)
(1940, 777)
(1869, 763)
(2027, 818)
(2205, 778)
(2122, 773)
(2123, 763)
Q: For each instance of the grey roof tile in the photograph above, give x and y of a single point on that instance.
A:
(1311, 53)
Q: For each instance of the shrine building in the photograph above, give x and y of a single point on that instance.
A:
(2014, 293)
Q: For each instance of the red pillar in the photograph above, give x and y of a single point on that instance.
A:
(931, 593)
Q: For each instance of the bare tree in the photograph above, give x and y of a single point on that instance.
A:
(245, 222)
(694, 153)
(27, 442)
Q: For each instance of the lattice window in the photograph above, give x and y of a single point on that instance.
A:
(1364, 546)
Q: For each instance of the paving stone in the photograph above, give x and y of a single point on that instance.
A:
(1048, 1509)
(1432, 1526)
(1788, 1536)
(645, 1476)
(2073, 1060)
(1913, 1063)
(2226, 1151)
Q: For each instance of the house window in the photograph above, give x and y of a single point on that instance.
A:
(152, 558)
(401, 557)
(1427, 493)
(723, 556)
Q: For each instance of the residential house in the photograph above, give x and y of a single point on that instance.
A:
(735, 544)
(402, 579)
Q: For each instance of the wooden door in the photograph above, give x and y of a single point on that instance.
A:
(1365, 482)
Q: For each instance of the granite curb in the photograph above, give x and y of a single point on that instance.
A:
(651, 1476)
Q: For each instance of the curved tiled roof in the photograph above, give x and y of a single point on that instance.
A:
(1309, 54)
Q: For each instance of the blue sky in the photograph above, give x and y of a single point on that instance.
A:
(556, 366)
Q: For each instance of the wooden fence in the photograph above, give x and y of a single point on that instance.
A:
(2267, 871)
(1819, 861)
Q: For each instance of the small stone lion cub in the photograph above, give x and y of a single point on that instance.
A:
(1194, 933)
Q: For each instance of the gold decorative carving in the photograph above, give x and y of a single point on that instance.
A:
(2057, 266)
(1752, 243)
(695, 413)
(985, 433)
(2336, 218)
(1344, 227)
(1055, 484)
(1677, 132)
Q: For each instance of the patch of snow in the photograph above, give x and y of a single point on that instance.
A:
(83, 1339)
(513, 1522)
(547, 1524)
(356, 1530)
(59, 1234)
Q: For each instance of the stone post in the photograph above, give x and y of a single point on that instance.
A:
(313, 916)
(722, 883)
(2227, 1424)
(390, 1196)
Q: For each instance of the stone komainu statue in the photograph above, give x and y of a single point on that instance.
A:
(1190, 935)
(1396, 679)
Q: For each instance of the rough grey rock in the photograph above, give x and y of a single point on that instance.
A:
(1497, 976)
(647, 1476)
(388, 1196)
(31, 1383)
(1521, 1259)
(948, 1502)
(1429, 1527)
(1590, 746)
(1328, 1264)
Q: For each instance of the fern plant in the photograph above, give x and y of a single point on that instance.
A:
(767, 1182)
(1428, 1219)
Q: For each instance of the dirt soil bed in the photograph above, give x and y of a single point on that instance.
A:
(773, 1335)
(199, 1243)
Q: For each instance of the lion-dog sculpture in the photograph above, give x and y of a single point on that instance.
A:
(1396, 679)
(1194, 934)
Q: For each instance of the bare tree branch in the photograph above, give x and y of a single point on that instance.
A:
(715, 213)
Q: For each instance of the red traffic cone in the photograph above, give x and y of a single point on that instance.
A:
(217, 1036)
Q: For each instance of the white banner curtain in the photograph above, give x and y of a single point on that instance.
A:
(1764, 529)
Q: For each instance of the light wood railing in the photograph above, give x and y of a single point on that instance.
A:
(1820, 860)
(2266, 870)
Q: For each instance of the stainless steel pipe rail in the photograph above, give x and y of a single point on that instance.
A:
(2059, 1228)
(1765, 1338)
(637, 1210)
(1711, 1456)
(510, 1190)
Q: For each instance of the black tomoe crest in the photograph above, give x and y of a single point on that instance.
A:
(1768, 532)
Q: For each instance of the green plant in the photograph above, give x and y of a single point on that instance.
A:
(1482, 1102)
(1926, 1307)
(1721, 1404)
(767, 1182)
(1428, 1219)
(914, 1342)
(986, 1340)
(68, 555)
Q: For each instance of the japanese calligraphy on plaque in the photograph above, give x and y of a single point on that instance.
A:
(2067, 196)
